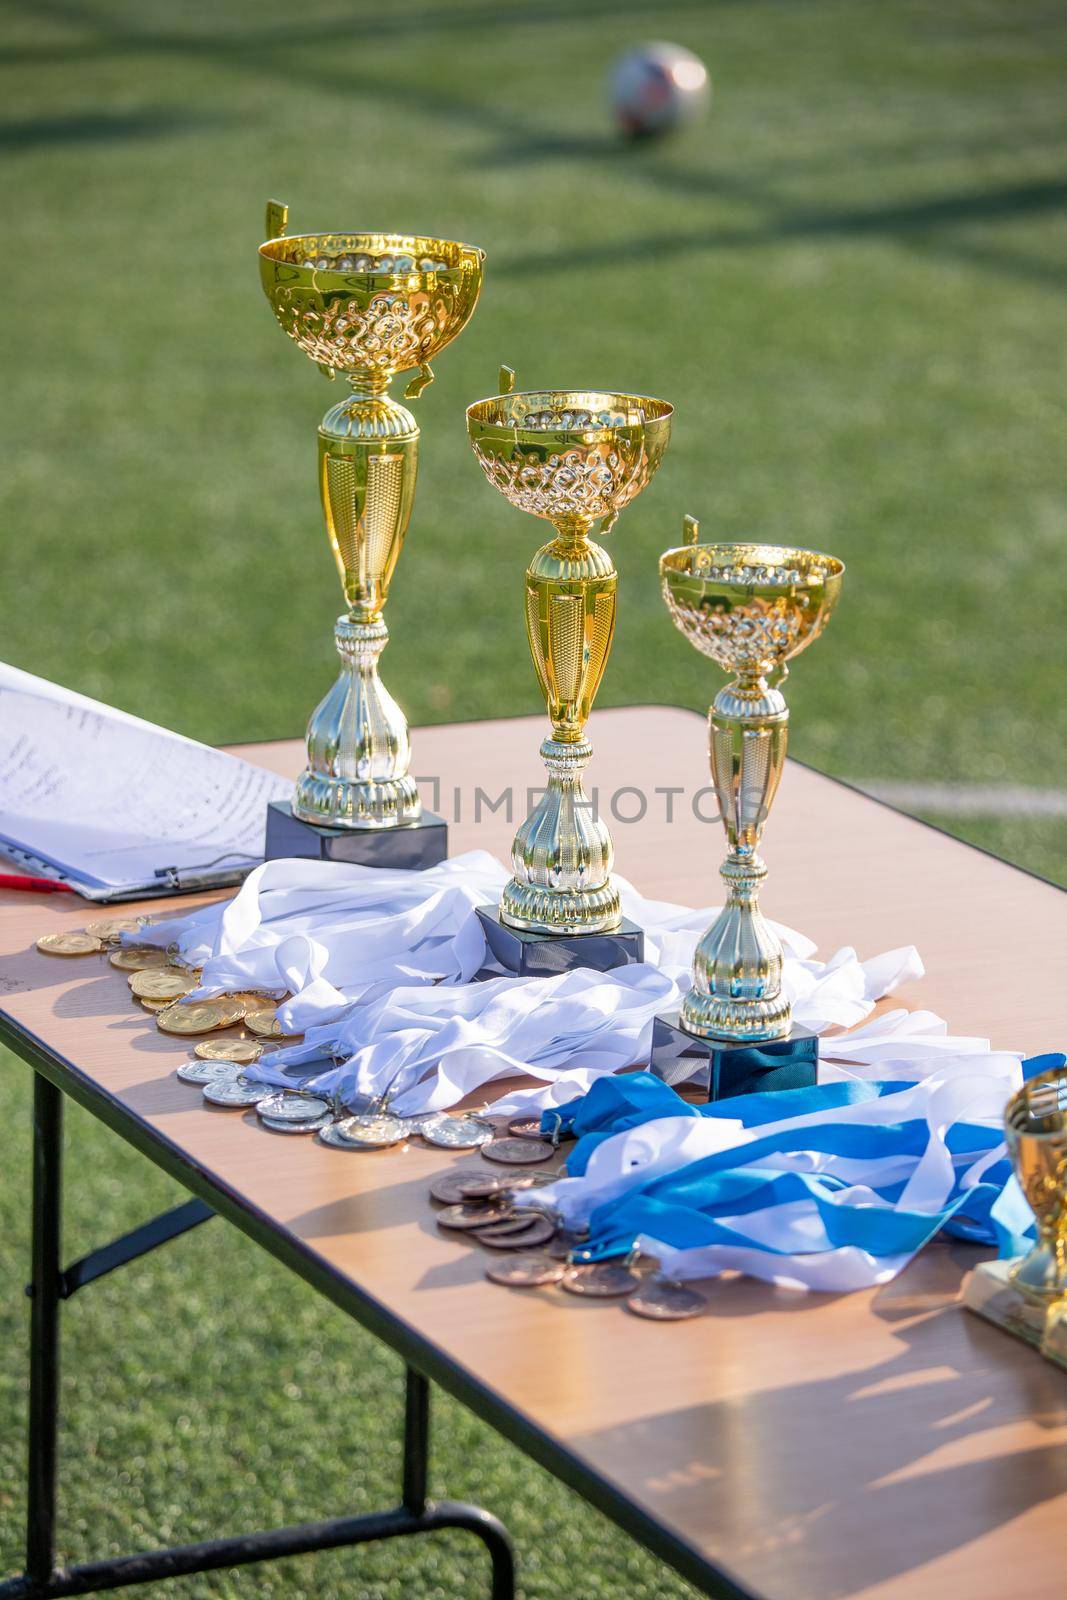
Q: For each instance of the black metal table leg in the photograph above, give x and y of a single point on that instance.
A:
(44, 1329)
(50, 1284)
(447, 1513)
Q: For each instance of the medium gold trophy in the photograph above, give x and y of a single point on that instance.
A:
(367, 306)
(1028, 1296)
(751, 608)
(575, 458)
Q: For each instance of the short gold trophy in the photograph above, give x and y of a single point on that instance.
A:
(1028, 1296)
(751, 608)
(367, 306)
(575, 458)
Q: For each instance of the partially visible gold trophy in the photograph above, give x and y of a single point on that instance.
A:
(1028, 1296)
(576, 458)
(366, 305)
(751, 608)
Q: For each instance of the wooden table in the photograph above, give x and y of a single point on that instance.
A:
(877, 1444)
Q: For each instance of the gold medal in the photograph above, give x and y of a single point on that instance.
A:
(160, 983)
(136, 957)
(264, 1023)
(240, 1050)
(201, 1016)
(154, 1005)
(253, 1004)
(111, 927)
(68, 944)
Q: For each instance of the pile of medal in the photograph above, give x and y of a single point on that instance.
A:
(534, 1250)
(476, 1203)
(159, 980)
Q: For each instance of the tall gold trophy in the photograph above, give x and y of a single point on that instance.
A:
(751, 608)
(575, 458)
(366, 305)
(1028, 1296)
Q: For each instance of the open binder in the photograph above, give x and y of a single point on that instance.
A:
(118, 808)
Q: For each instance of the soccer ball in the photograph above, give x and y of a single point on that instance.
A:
(656, 88)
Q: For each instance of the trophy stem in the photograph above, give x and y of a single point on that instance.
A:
(737, 971)
(359, 750)
(562, 854)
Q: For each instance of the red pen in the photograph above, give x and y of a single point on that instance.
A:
(12, 880)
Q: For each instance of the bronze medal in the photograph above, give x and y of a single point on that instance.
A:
(665, 1302)
(564, 1243)
(600, 1280)
(525, 1127)
(462, 1217)
(517, 1151)
(525, 1271)
(504, 1236)
(481, 1186)
(447, 1186)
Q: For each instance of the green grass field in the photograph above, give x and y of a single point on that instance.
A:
(851, 284)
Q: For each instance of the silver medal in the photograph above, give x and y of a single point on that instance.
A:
(207, 1071)
(456, 1133)
(286, 1107)
(372, 1131)
(279, 1125)
(237, 1091)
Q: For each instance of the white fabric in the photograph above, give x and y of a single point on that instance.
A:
(971, 1089)
(378, 964)
(432, 1047)
(330, 932)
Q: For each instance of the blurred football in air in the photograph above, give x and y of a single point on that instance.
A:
(656, 89)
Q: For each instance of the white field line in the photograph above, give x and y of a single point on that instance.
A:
(970, 799)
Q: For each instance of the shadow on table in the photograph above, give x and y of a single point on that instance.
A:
(820, 1488)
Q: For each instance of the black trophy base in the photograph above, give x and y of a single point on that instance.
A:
(412, 845)
(723, 1069)
(541, 955)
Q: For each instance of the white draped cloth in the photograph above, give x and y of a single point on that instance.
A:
(379, 963)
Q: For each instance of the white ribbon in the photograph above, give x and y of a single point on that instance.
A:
(788, 1244)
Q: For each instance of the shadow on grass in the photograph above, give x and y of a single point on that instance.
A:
(100, 127)
(919, 218)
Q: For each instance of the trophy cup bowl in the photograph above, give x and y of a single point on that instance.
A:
(574, 457)
(367, 321)
(751, 608)
(1035, 1130)
(1027, 1297)
(366, 305)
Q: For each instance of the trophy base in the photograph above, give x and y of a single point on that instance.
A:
(410, 845)
(990, 1293)
(542, 955)
(724, 1068)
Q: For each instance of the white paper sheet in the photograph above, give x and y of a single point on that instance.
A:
(111, 800)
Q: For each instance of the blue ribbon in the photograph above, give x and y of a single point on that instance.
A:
(685, 1208)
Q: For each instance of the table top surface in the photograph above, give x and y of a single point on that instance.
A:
(873, 1444)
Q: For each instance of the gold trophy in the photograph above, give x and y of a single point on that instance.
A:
(1028, 1296)
(574, 457)
(367, 305)
(751, 608)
